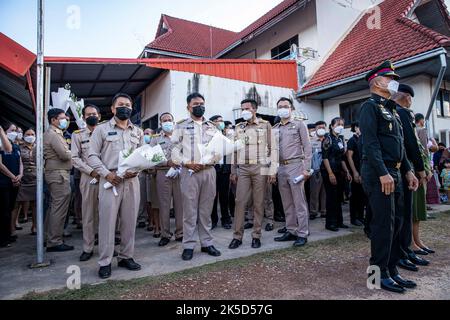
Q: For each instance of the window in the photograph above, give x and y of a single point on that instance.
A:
(443, 104)
(349, 111)
(284, 50)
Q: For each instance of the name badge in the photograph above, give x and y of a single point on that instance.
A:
(341, 146)
(85, 141)
(114, 133)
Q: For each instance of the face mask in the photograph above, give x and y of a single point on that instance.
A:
(321, 132)
(63, 124)
(147, 139)
(246, 115)
(92, 121)
(393, 87)
(313, 134)
(30, 139)
(198, 111)
(284, 113)
(167, 126)
(123, 113)
(221, 126)
(20, 136)
(230, 132)
(338, 129)
(12, 136)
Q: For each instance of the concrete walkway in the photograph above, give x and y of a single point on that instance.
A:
(16, 279)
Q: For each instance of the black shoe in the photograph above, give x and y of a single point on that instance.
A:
(332, 228)
(427, 250)
(403, 282)
(279, 219)
(156, 235)
(117, 241)
(417, 260)
(226, 226)
(5, 245)
(149, 228)
(407, 265)
(211, 251)
(18, 228)
(357, 223)
(105, 272)
(256, 243)
(213, 226)
(180, 239)
(390, 285)
(286, 237)
(421, 252)
(141, 225)
(235, 243)
(248, 225)
(85, 256)
(172, 213)
(13, 238)
(269, 227)
(300, 242)
(60, 248)
(312, 217)
(343, 226)
(187, 254)
(282, 230)
(129, 264)
(163, 242)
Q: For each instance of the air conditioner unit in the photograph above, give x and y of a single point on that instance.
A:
(444, 137)
(304, 53)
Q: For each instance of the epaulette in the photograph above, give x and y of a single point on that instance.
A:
(79, 131)
(298, 118)
(181, 121)
(263, 121)
(276, 125)
(156, 135)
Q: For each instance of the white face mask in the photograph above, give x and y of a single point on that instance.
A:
(321, 132)
(12, 136)
(230, 132)
(246, 115)
(30, 139)
(393, 87)
(284, 113)
(338, 129)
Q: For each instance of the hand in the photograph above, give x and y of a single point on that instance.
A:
(349, 177)
(429, 176)
(306, 174)
(387, 184)
(233, 178)
(114, 179)
(272, 179)
(130, 175)
(333, 180)
(195, 167)
(413, 182)
(422, 178)
(357, 178)
(95, 175)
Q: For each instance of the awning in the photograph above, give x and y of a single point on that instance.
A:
(14, 58)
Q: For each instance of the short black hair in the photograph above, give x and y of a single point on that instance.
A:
(311, 126)
(406, 89)
(121, 95)
(193, 96)
(321, 123)
(227, 123)
(54, 113)
(354, 125)
(251, 101)
(90, 105)
(214, 118)
(165, 113)
(418, 117)
(286, 99)
(441, 144)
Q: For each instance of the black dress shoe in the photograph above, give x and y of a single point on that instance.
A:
(187, 254)
(256, 243)
(180, 239)
(129, 264)
(248, 225)
(390, 285)
(60, 248)
(417, 260)
(286, 237)
(85, 256)
(357, 223)
(427, 250)
(343, 226)
(235, 243)
(407, 265)
(279, 219)
(312, 217)
(211, 251)
(163, 242)
(269, 227)
(403, 282)
(105, 272)
(141, 225)
(226, 226)
(282, 230)
(300, 242)
(332, 228)
(421, 252)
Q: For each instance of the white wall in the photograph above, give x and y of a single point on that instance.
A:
(156, 98)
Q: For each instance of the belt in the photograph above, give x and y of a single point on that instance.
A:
(293, 160)
(393, 164)
(254, 162)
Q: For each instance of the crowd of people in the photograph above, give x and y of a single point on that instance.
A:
(290, 172)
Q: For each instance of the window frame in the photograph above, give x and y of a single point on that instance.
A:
(290, 41)
(358, 102)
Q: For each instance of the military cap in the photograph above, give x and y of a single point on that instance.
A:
(384, 69)
(406, 89)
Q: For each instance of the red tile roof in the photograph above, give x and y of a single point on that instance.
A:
(192, 38)
(363, 49)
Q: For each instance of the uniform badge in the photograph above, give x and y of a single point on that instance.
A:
(390, 126)
(114, 133)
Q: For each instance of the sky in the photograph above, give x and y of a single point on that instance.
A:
(117, 28)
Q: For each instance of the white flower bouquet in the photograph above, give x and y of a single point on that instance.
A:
(77, 110)
(61, 98)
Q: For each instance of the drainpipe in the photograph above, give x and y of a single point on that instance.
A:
(437, 86)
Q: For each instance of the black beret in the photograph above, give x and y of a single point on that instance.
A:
(406, 89)
(384, 69)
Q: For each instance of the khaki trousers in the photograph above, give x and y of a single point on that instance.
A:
(89, 211)
(317, 197)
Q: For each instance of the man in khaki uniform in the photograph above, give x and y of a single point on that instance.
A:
(268, 210)
(57, 175)
(317, 195)
(107, 141)
(295, 160)
(168, 187)
(89, 191)
(251, 171)
(198, 181)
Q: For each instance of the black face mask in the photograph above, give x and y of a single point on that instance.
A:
(92, 121)
(198, 111)
(123, 113)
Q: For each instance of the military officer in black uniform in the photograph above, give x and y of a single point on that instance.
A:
(383, 160)
(403, 99)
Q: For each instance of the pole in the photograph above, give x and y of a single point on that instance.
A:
(39, 141)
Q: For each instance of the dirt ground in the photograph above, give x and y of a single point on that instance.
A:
(329, 269)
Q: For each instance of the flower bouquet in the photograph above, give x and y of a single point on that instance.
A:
(77, 110)
(142, 158)
(61, 98)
